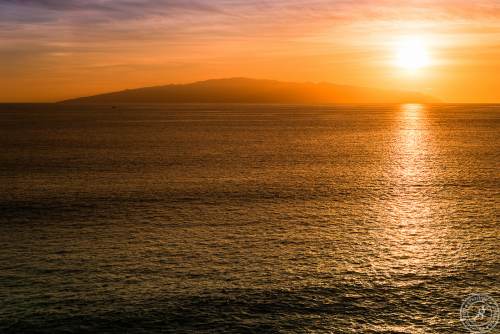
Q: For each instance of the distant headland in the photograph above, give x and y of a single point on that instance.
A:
(244, 90)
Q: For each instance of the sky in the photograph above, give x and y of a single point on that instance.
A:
(57, 49)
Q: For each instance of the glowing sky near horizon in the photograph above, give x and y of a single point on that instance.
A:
(56, 49)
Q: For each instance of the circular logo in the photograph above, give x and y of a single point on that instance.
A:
(479, 313)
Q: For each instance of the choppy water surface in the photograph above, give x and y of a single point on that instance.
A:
(192, 219)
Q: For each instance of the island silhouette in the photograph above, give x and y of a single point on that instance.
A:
(244, 90)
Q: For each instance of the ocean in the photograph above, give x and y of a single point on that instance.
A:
(247, 218)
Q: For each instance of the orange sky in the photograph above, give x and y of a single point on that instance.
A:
(56, 49)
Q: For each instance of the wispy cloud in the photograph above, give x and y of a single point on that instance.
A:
(283, 16)
(129, 8)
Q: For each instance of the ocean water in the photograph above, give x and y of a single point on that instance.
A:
(247, 218)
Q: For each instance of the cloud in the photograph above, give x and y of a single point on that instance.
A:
(59, 5)
(109, 5)
(175, 26)
(286, 15)
(110, 26)
(96, 11)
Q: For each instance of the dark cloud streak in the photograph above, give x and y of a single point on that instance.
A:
(46, 11)
(107, 5)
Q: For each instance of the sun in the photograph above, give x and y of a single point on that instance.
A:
(412, 54)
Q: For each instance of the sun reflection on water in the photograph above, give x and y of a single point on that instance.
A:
(412, 108)
(412, 139)
(412, 239)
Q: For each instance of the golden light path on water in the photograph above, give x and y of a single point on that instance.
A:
(411, 206)
(413, 240)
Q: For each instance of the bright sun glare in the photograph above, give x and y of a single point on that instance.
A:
(412, 54)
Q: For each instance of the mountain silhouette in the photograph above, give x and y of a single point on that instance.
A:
(243, 90)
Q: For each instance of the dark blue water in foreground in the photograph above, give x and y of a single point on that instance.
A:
(220, 218)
